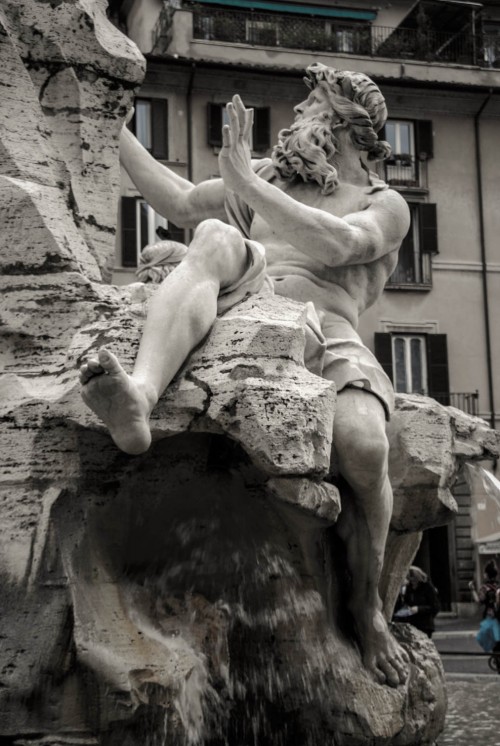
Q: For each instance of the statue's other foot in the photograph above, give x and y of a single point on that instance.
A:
(382, 655)
(122, 403)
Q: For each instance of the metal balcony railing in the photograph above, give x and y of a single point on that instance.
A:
(325, 35)
(404, 171)
(466, 401)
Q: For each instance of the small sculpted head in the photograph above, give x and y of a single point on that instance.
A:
(339, 100)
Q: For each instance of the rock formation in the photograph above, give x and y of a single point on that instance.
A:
(193, 595)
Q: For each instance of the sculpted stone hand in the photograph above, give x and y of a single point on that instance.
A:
(235, 159)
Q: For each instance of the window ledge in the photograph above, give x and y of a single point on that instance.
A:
(408, 189)
(417, 286)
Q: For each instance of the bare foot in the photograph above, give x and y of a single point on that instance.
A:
(123, 404)
(382, 655)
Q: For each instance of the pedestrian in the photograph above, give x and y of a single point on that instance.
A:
(418, 602)
(488, 635)
(488, 592)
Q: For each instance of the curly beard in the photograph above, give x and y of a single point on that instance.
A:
(306, 149)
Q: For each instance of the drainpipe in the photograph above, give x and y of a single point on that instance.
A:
(484, 267)
(189, 114)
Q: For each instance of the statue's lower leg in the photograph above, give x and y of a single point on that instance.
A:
(180, 315)
(363, 525)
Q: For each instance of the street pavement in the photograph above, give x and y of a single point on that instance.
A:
(473, 716)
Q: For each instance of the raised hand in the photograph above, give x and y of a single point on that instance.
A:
(235, 159)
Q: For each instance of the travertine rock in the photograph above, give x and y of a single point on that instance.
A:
(67, 78)
(429, 444)
(195, 592)
(202, 579)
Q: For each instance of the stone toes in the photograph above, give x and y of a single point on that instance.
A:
(90, 369)
(108, 362)
(389, 671)
(85, 374)
(94, 366)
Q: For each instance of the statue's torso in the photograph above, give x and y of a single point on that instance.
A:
(339, 291)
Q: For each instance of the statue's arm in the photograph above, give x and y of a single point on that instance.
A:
(169, 194)
(358, 238)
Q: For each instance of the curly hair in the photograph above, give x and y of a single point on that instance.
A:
(357, 100)
(307, 150)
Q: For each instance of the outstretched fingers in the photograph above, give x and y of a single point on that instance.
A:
(245, 118)
(240, 122)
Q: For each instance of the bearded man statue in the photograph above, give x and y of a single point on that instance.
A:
(312, 224)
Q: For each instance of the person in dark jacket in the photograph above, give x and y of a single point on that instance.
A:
(419, 602)
(488, 592)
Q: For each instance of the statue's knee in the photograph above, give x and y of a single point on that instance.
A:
(212, 228)
(364, 455)
(374, 452)
(218, 249)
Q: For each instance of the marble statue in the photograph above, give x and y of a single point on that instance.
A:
(312, 224)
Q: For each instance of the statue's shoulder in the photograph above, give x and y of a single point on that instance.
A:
(393, 213)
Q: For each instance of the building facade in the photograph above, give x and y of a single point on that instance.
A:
(438, 65)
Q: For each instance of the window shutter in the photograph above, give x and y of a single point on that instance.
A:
(383, 352)
(215, 125)
(159, 128)
(437, 367)
(424, 139)
(132, 124)
(428, 228)
(129, 232)
(262, 128)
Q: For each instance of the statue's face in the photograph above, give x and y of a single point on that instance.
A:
(315, 105)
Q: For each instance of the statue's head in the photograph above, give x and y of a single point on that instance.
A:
(348, 101)
(357, 100)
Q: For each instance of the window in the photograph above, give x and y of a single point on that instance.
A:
(415, 363)
(139, 225)
(265, 33)
(344, 40)
(414, 261)
(411, 143)
(491, 44)
(206, 27)
(401, 167)
(409, 364)
(261, 133)
(150, 125)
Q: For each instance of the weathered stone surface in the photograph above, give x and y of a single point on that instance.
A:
(429, 444)
(179, 567)
(194, 593)
(67, 78)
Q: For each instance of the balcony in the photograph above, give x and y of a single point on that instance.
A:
(404, 172)
(466, 401)
(321, 35)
